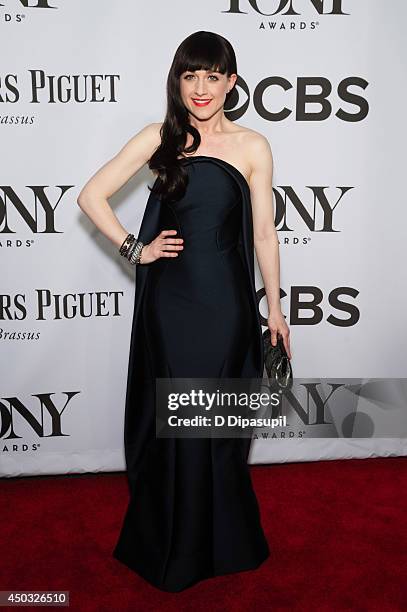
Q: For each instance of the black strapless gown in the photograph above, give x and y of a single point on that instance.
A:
(193, 513)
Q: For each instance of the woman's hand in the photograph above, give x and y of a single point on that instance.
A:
(162, 246)
(276, 323)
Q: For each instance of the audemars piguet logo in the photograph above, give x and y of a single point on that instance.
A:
(47, 305)
(41, 87)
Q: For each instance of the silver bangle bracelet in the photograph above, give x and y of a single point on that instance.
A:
(131, 249)
(135, 255)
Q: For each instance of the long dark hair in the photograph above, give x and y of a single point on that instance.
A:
(200, 51)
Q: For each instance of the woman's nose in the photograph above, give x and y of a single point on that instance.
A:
(200, 89)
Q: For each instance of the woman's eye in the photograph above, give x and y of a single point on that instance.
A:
(212, 76)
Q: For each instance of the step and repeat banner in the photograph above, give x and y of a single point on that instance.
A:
(324, 81)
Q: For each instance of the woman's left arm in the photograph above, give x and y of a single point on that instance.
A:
(265, 235)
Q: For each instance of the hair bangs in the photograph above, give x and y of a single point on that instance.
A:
(196, 55)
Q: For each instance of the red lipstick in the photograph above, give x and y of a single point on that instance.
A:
(199, 102)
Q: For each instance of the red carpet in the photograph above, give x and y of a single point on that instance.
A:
(337, 531)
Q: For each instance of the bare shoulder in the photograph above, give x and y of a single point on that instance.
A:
(132, 156)
(154, 129)
(148, 138)
(139, 148)
(257, 149)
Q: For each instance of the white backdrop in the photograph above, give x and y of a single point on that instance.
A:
(77, 81)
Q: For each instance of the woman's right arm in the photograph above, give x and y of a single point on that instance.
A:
(93, 198)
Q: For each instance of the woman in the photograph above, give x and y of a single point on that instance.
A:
(192, 512)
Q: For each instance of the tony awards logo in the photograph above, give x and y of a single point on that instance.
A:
(286, 7)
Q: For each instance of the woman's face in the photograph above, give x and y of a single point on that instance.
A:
(204, 92)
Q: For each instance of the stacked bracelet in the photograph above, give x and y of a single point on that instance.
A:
(131, 249)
